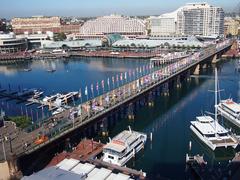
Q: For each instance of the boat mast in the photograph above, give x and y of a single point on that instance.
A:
(216, 91)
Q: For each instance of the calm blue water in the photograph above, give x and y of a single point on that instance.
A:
(168, 120)
(70, 75)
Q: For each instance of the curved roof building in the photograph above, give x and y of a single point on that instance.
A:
(113, 24)
(185, 41)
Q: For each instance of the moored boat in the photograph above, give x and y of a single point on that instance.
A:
(123, 147)
(210, 132)
(230, 110)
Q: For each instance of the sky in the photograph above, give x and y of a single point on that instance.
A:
(84, 8)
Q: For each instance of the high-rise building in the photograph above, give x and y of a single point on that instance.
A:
(200, 19)
(113, 24)
(191, 19)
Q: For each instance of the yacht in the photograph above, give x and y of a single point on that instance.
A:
(51, 98)
(123, 147)
(210, 132)
(58, 111)
(230, 110)
(37, 94)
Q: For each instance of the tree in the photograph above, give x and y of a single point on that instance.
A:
(133, 45)
(229, 35)
(59, 36)
(148, 31)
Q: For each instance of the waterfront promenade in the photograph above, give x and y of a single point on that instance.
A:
(101, 105)
(21, 57)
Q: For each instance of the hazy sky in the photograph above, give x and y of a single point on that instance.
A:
(16, 8)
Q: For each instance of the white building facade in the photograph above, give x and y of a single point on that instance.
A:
(113, 24)
(192, 19)
(200, 19)
(163, 25)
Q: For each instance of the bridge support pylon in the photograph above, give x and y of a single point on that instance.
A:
(215, 59)
(197, 70)
(130, 112)
(165, 90)
(188, 75)
(179, 82)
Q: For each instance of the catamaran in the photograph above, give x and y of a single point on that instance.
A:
(210, 132)
(123, 147)
(230, 110)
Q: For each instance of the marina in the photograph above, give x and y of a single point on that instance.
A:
(147, 168)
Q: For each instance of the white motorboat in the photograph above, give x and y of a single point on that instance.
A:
(210, 132)
(123, 147)
(58, 111)
(230, 110)
(51, 98)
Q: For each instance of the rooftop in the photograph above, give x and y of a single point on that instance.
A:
(77, 171)
(231, 105)
(206, 125)
(122, 140)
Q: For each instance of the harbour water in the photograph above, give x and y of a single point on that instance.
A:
(168, 117)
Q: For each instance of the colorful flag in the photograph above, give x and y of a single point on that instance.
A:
(129, 73)
(103, 84)
(138, 83)
(121, 77)
(97, 86)
(80, 93)
(108, 81)
(113, 79)
(125, 77)
(92, 90)
(92, 87)
(86, 91)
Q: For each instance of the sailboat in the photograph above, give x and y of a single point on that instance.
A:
(210, 132)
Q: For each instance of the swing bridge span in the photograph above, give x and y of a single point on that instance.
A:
(20, 143)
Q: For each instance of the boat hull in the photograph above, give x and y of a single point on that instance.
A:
(229, 117)
(204, 140)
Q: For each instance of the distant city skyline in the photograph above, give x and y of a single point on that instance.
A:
(26, 8)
